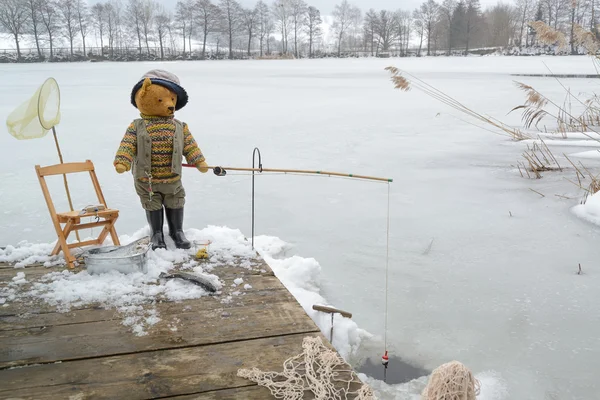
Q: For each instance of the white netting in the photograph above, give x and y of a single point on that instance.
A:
(451, 381)
(317, 369)
(36, 116)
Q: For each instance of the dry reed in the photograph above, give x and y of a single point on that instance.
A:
(585, 39)
(538, 159)
(402, 83)
(566, 121)
(548, 35)
(592, 187)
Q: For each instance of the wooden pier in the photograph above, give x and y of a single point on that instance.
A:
(87, 353)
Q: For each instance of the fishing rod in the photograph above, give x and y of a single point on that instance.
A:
(222, 171)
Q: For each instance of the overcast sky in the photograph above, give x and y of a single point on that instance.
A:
(326, 6)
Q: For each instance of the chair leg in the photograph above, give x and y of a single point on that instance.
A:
(103, 234)
(65, 234)
(68, 257)
(113, 233)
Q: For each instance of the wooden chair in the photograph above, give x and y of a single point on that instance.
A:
(72, 219)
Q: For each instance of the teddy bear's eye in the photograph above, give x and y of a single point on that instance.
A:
(160, 100)
(173, 98)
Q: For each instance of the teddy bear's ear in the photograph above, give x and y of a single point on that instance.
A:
(147, 82)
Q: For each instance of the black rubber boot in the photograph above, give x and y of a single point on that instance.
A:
(175, 221)
(156, 219)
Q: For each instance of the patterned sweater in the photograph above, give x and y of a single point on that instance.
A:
(161, 131)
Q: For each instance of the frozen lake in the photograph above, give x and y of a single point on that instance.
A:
(482, 269)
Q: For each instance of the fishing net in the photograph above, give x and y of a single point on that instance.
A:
(317, 370)
(451, 381)
(35, 117)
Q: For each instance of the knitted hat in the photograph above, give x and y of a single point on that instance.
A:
(165, 79)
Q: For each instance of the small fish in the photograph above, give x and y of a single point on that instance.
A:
(196, 279)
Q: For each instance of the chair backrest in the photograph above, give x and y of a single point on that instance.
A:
(64, 169)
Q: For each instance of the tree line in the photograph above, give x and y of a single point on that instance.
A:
(289, 27)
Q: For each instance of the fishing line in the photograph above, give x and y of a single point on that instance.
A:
(222, 171)
(385, 359)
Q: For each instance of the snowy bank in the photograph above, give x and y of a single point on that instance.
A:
(590, 209)
(301, 276)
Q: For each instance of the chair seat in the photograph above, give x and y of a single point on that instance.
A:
(76, 215)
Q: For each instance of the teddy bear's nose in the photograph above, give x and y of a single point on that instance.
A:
(171, 108)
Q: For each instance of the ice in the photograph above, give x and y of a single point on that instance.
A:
(497, 288)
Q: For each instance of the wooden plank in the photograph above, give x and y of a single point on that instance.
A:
(36, 306)
(66, 168)
(90, 225)
(82, 244)
(28, 320)
(196, 327)
(240, 393)
(65, 216)
(7, 272)
(151, 374)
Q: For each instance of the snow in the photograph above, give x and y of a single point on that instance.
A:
(30, 253)
(301, 276)
(482, 270)
(132, 294)
(590, 209)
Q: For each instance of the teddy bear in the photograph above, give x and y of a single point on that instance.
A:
(153, 147)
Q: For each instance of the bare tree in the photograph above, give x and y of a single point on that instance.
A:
(404, 29)
(264, 23)
(111, 26)
(298, 10)
(370, 27)
(419, 25)
(428, 12)
(473, 19)
(249, 19)
(281, 12)
(82, 20)
(313, 27)
(182, 10)
(118, 17)
(99, 20)
(134, 17)
(34, 21)
(386, 29)
(163, 24)
(524, 10)
(68, 18)
(49, 12)
(500, 22)
(446, 13)
(148, 10)
(344, 15)
(231, 12)
(208, 17)
(13, 18)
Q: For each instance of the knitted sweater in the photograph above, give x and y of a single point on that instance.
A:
(161, 131)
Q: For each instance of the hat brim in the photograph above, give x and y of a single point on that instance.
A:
(182, 96)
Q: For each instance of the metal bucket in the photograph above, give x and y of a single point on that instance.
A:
(124, 259)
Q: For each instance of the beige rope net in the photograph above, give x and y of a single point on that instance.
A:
(317, 369)
(451, 381)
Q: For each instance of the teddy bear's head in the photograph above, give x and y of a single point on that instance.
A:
(155, 100)
(158, 94)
